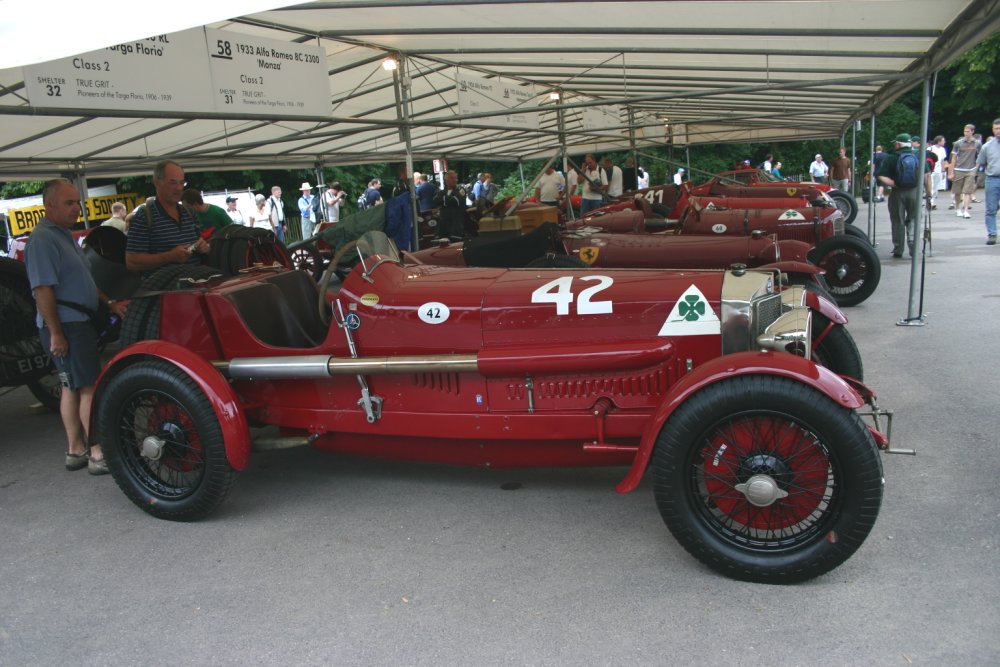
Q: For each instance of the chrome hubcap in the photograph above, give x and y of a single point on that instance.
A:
(761, 490)
(152, 447)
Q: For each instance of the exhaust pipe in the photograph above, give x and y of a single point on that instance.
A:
(322, 366)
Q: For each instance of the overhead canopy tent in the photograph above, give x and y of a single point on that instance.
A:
(642, 72)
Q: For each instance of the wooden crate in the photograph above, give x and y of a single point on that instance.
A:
(534, 217)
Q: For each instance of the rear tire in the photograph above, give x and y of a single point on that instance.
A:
(307, 258)
(776, 436)
(142, 319)
(163, 442)
(48, 390)
(852, 268)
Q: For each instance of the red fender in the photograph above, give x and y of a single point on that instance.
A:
(225, 403)
(790, 266)
(735, 365)
(826, 307)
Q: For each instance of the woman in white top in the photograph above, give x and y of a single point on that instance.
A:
(260, 218)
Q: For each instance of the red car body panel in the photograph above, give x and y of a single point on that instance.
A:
(600, 387)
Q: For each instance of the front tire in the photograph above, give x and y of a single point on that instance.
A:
(764, 479)
(847, 204)
(163, 442)
(834, 348)
(852, 268)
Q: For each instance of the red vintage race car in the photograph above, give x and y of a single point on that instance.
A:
(589, 247)
(758, 178)
(762, 466)
(852, 267)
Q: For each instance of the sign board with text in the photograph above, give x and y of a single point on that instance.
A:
(603, 117)
(163, 73)
(193, 71)
(98, 209)
(479, 95)
(257, 75)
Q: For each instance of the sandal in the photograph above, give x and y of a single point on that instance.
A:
(77, 461)
(97, 467)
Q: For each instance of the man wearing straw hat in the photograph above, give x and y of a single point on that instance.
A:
(306, 209)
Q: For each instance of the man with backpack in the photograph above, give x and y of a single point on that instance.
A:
(901, 171)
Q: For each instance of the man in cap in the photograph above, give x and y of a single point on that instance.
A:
(904, 206)
(679, 176)
(306, 210)
(234, 213)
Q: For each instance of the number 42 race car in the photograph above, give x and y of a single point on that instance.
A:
(761, 464)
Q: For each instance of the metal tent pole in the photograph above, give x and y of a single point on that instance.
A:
(872, 186)
(914, 315)
(402, 83)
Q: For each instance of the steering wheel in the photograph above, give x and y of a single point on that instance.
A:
(324, 281)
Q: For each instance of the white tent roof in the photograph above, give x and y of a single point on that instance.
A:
(714, 71)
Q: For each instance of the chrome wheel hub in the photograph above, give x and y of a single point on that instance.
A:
(761, 490)
(152, 447)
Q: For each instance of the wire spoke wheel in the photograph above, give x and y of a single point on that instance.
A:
(852, 268)
(162, 441)
(763, 482)
(160, 446)
(765, 479)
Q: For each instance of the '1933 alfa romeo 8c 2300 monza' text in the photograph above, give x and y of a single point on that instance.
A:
(761, 464)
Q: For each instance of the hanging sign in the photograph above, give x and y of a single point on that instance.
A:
(254, 75)
(601, 117)
(479, 95)
(193, 71)
(162, 73)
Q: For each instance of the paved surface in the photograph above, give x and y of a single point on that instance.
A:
(321, 559)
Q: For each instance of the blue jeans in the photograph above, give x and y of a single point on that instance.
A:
(279, 231)
(992, 200)
(587, 205)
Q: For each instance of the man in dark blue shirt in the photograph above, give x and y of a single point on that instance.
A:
(166, 232)
(425, 192)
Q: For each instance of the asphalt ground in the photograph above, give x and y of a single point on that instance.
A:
(324, 559)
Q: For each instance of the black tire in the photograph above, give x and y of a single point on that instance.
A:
(847, 204)
(856, 232)
(307, 258)
(191, 474)
(557, 262)
(142, 319)
(834, 348)
(787, 437)
(47, 389)
(852, 268)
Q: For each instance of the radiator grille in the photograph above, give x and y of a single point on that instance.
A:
(765, 311)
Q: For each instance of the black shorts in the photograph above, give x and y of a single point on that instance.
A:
(81, 366)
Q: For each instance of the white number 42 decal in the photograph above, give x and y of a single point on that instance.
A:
(560, 292)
